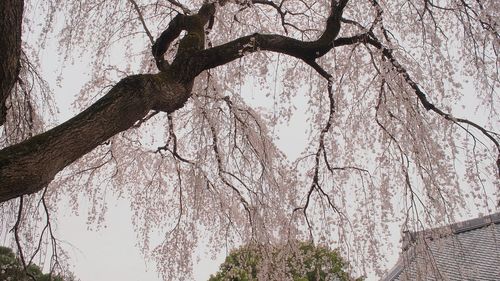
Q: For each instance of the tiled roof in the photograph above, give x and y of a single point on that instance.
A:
(467, 250)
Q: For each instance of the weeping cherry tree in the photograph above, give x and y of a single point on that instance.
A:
(399, 101)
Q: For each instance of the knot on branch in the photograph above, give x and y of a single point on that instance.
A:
(193, 41)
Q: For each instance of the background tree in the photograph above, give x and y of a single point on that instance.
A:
(11, 269)
(302, 262)
(167, 122)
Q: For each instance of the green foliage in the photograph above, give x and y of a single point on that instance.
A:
(11, 269)
(304, 262)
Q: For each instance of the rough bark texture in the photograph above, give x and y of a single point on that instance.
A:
(11, 15)
(27, 167)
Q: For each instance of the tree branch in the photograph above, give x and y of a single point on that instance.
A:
(29, 166)
(369, 38)
(307, 51)
(141, 18)
(193, 24)
(387, 53)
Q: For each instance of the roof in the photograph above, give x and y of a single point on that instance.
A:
(468, 250)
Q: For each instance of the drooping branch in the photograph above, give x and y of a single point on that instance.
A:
(141, 18)
(370, 39)
(425, 101)
(11, 14)
(184, 9)
(278, 9)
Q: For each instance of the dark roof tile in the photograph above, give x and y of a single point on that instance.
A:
(468, 250)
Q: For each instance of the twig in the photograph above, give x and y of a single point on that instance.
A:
(18, 241)
(141, 18)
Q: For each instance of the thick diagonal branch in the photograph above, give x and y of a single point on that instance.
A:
(29, 166)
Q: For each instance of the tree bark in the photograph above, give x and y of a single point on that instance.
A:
(29, 166)
(11, 15)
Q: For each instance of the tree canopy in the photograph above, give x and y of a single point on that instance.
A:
(11, 269)
(302, 262)
(398, 100)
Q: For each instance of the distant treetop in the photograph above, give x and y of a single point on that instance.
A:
(298, 262)
(11, 269)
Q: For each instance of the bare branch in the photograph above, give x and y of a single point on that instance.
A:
(18, 240)
(184, 9)
(141, 18)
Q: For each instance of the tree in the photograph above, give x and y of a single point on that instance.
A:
(384, 82)
(305, 263)
(11, 269)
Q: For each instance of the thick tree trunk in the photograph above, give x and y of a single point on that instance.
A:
(29, 166)
(11, 15)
